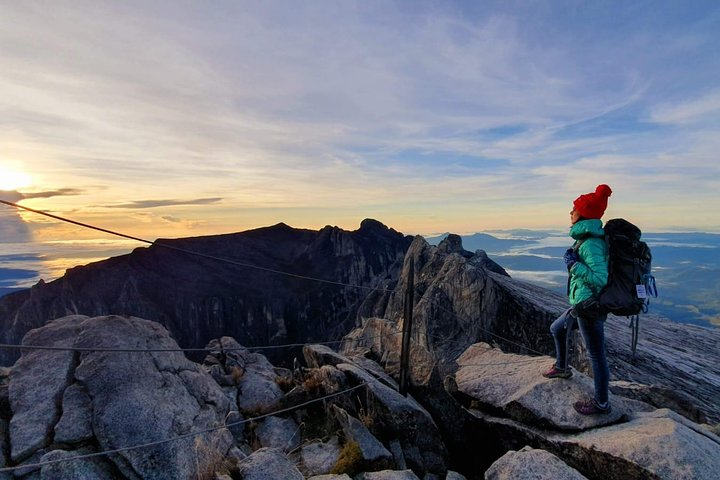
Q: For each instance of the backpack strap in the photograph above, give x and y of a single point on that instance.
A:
(651, 288)
(576, 245)
(635, 332)
(575, 248)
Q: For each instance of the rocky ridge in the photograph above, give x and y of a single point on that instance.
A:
(198, 298)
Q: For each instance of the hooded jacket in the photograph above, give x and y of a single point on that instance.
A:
(590, 274)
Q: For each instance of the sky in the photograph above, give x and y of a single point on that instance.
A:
(176, 118)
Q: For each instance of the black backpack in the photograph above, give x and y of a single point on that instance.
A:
(630, 281)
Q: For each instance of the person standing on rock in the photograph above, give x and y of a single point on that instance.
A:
(587, 264)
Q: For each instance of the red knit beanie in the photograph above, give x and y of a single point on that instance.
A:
(593, 205)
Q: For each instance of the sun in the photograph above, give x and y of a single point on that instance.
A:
(11, 179)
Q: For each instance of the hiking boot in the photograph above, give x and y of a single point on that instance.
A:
(555, 372)
(591, 407)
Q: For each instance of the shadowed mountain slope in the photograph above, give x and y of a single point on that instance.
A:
(199, 298)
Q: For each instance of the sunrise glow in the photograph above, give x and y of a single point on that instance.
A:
(11, 179)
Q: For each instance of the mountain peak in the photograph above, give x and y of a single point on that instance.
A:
(281, 225)
(371, 224)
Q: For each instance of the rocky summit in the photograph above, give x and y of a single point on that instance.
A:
(110, 395)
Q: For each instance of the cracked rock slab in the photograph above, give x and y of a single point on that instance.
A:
(37, 383)
(514, 385)
(75, 425)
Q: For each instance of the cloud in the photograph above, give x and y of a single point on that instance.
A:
(11, 196)
(12, 227)
(688, 111)
(53, 193)
(15, 196)
(165, 203)
(171, 219)
(286, 94)
(273, 106)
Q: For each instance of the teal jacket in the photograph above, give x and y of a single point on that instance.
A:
(589, 275)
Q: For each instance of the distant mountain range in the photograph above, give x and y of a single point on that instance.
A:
(483, 241)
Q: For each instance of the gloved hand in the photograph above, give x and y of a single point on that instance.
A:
(570, 258)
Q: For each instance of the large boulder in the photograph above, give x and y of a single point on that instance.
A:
(268, 464)
(513, 385)
(318, 457)
(115, 400)
(257, 389)
(531, 464)
(247, 377)
(278, 432)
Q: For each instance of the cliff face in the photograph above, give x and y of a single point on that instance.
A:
(200, 298)
(462, 298)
